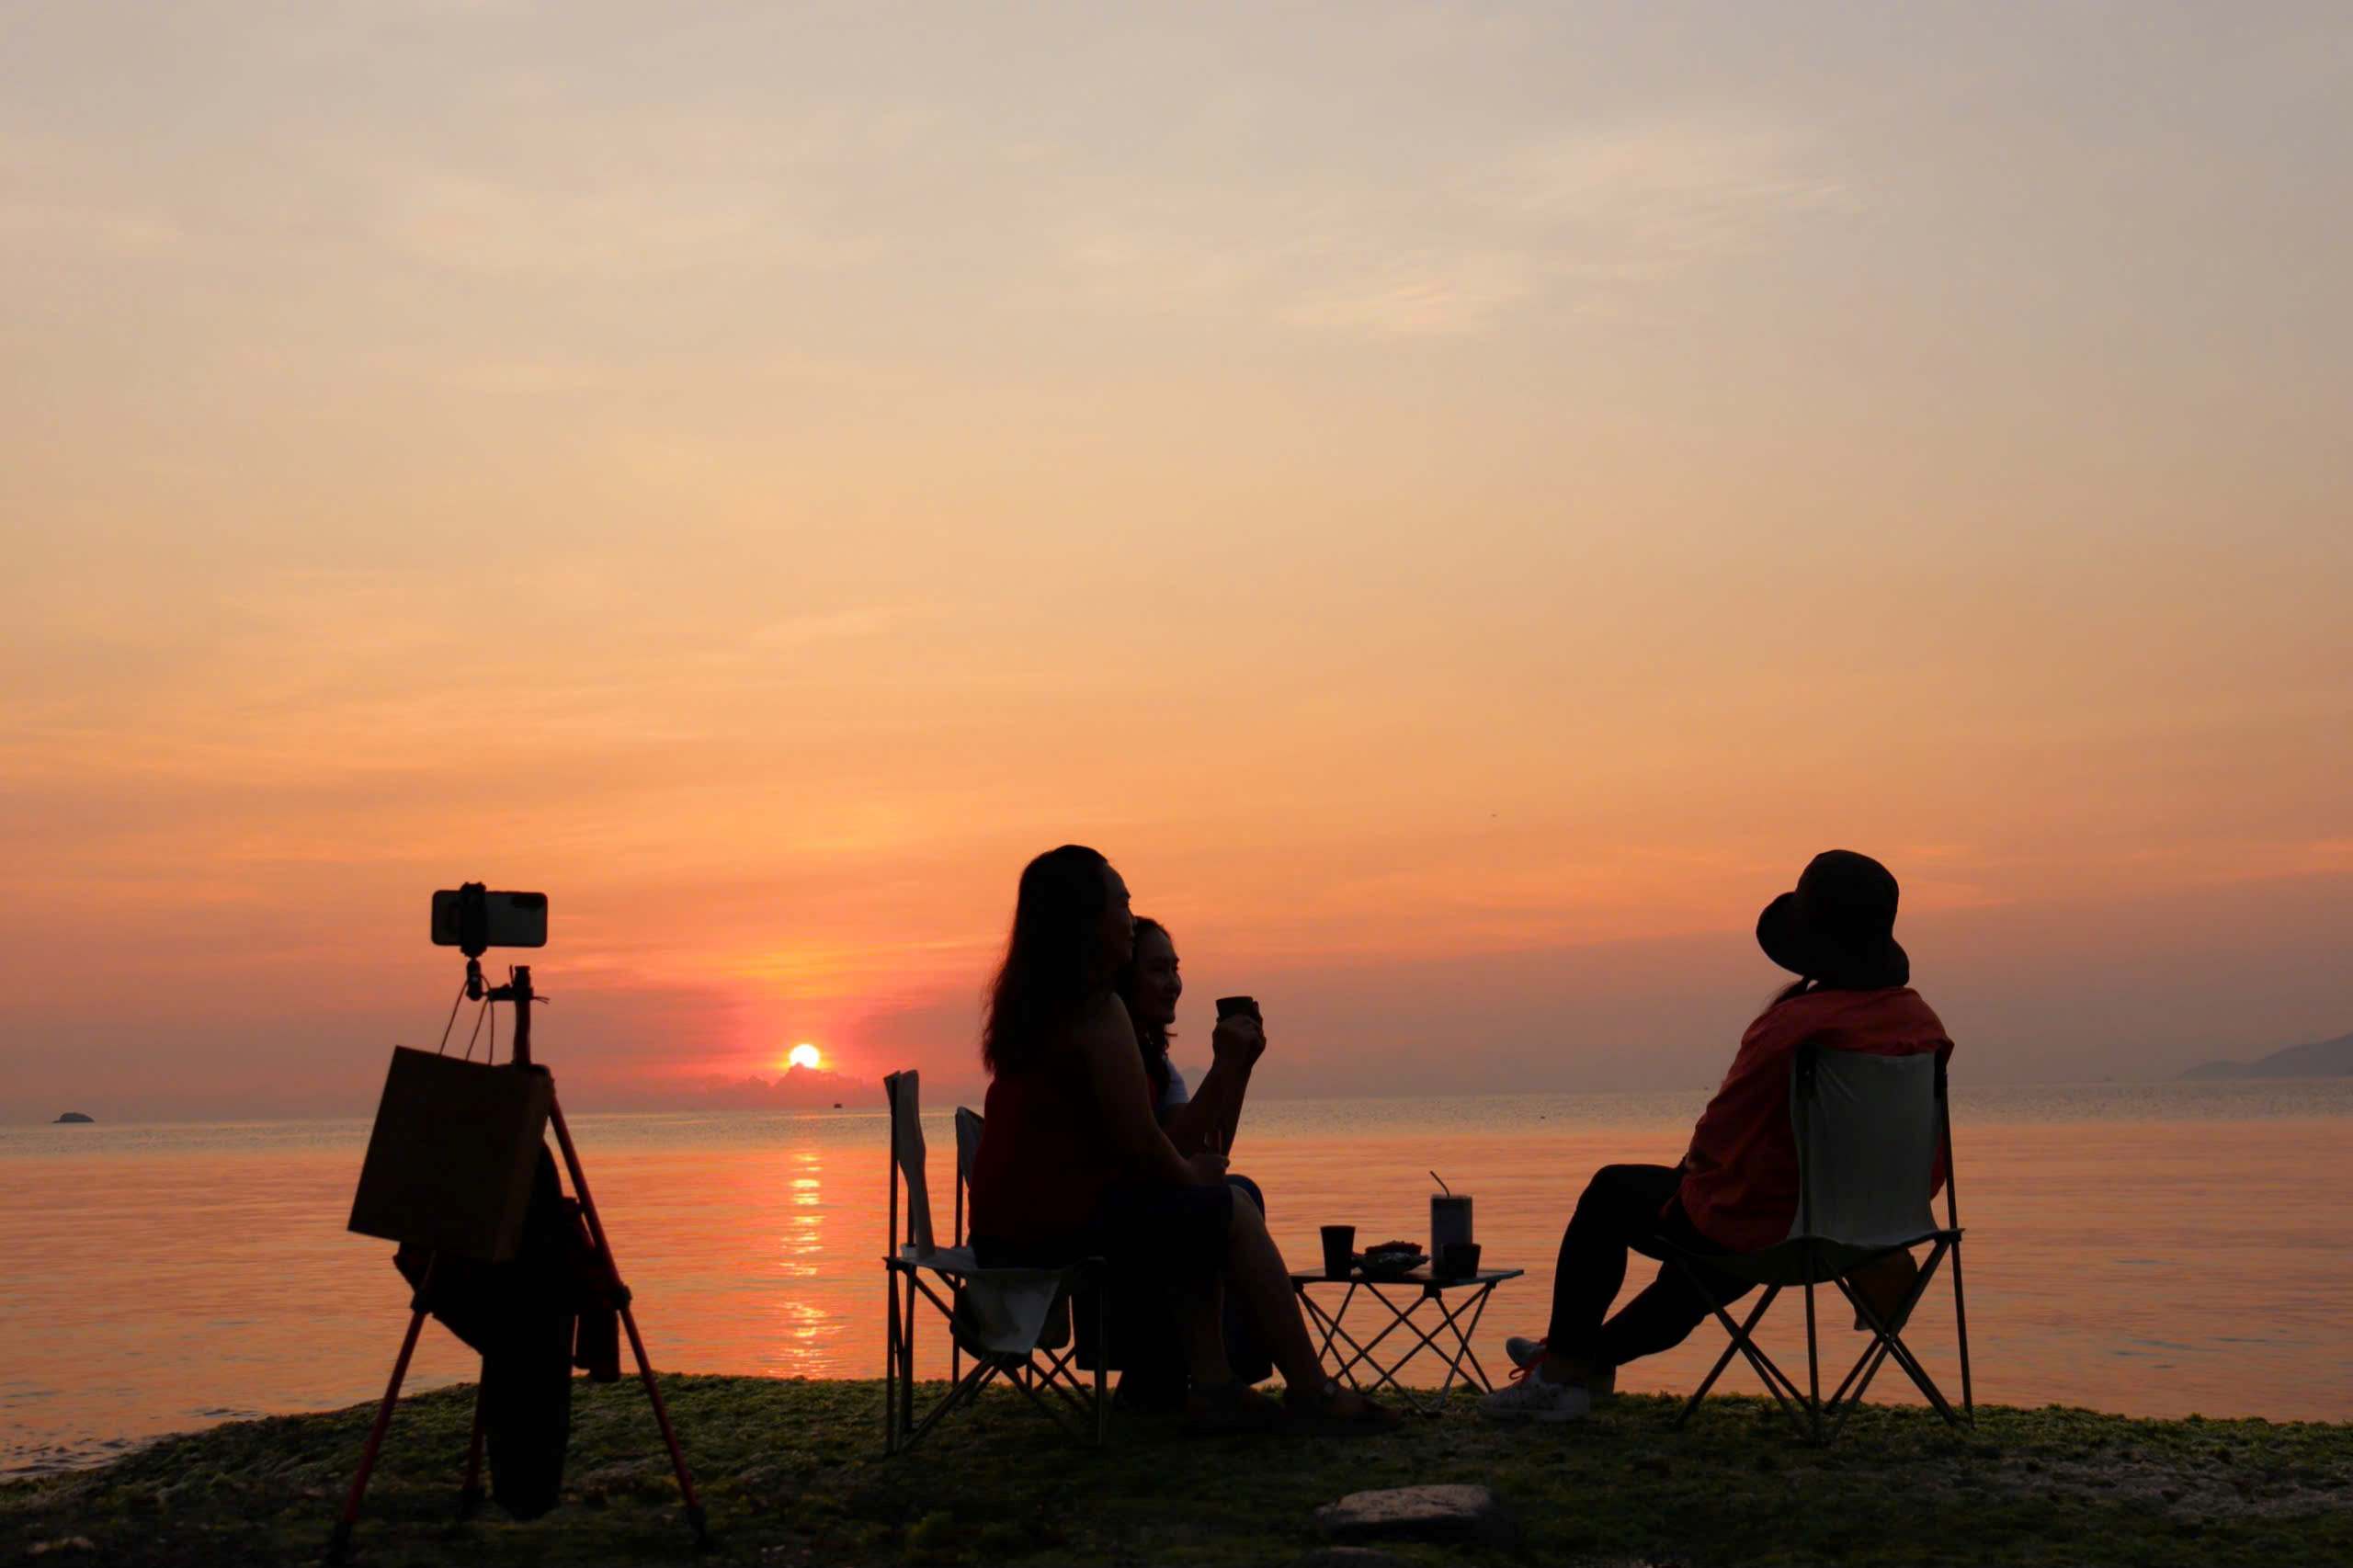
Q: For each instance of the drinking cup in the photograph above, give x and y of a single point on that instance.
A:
(1339, 1251)
(1449, 1221)
(1458, 1261)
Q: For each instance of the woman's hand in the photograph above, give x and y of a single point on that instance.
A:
(1207, 1169)
(1239, 1039)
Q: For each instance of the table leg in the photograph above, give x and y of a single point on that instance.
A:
(1460, 1322)
(1476, 1305)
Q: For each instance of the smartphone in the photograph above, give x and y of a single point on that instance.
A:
(1229, 1005)
(507, 920)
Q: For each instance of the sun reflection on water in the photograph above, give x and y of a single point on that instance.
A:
(801, 1326)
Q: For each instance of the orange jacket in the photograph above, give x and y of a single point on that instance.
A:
(1740, 1178)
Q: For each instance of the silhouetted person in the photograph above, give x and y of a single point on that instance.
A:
(1736, 1190)
(1152, 1356)
(1073, 1164)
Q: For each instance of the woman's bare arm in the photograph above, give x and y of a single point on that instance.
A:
(1215, 1108)
(1189, 1125)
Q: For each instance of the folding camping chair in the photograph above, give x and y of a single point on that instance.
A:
(1013, 1322)
(1868, 1129)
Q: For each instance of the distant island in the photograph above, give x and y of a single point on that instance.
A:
(72, 1115)
(2323, 1059)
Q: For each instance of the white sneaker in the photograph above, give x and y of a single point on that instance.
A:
(1533, 1399)
(1528, 1352)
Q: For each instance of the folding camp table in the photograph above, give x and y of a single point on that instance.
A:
(1402, 1298)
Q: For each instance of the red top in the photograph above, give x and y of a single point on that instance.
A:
(1740, 1180)
(1045, 1160)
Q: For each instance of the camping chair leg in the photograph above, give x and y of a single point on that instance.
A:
(1732, 1348)
(470, 1493)
(1059, 1377)
(1029, 1387)
(907, 1362)
(955, 1399)
(1858, 1377)
(1867, 1366)
(1960, 1332)
(890, 1365)
(1813, 1366)
(1102, 1362)
(1890, 1342)
(1919, 1376)
(1777, 1382)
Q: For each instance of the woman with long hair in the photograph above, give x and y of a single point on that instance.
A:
(1072, 1164)
(1149, 982)
(1736, 1189)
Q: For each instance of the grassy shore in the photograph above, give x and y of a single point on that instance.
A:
(793, 1473)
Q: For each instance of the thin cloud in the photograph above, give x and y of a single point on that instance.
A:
(1419, 295)
(801, 631)
(1581, 221)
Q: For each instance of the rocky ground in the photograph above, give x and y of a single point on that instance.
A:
(793, 1473)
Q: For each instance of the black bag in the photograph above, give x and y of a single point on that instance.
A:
(520, 1315)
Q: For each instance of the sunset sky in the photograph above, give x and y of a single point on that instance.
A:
(1458, 503)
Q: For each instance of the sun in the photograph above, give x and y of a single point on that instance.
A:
(803, 1055)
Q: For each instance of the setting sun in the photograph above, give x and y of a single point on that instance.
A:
(803, 1055)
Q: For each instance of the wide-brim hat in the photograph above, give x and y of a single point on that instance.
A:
(1837, 925)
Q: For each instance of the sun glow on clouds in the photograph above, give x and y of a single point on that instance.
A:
(1460, 489)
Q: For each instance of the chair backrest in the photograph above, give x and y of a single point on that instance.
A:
(967, 1149)
(969, 1124)
(1870, 1129)
(904, 1091)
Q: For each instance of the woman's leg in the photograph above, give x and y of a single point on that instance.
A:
(1204, 1338)
(1246, 1347)
(1255, 1274)
(1661, 1315)
(1621, 1206)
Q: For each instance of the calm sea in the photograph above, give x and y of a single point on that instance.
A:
(2155, 1250)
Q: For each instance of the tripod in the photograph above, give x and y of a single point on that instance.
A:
(519, 992)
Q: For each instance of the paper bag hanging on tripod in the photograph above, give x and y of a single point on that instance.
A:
(449, 1163)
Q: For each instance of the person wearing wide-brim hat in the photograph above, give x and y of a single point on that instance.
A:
(1736, 1189)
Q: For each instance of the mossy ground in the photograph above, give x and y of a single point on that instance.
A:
(793, 1473)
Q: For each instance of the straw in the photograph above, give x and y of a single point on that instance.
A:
(1441, 1183)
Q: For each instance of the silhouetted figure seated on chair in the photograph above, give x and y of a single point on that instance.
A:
(1146, 1346)
(1736, 1189)
(1073, 1164)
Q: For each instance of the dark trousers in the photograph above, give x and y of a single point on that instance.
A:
(1629, 1209)
(1151, 1352)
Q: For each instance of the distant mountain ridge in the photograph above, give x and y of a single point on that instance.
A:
(2321, 1058)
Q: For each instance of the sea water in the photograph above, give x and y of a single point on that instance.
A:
(2149, 1249)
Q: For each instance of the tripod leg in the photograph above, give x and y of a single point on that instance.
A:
(343, 1525)
(469, 1495)
(669, 1435)
(629, 1319)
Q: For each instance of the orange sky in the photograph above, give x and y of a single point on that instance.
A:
(1458, 508)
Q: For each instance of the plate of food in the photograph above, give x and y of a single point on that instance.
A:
(1391, 1260)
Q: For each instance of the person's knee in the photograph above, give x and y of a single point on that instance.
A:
(1603, 1190)
(1702, 1289)
(1245, 1187)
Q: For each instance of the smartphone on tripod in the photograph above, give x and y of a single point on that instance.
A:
(498, 919)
